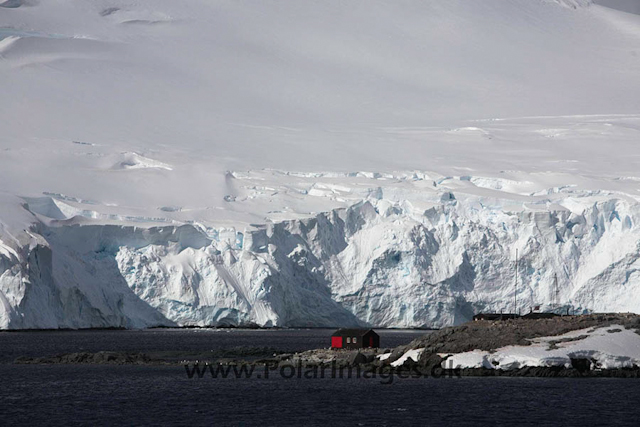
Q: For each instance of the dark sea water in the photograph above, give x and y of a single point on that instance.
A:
(164, 395)
(49, 343)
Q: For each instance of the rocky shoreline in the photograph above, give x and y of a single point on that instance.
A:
(434, 350)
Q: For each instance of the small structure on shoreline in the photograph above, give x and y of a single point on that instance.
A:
(355, 338)
(534, 313)
(495, 316)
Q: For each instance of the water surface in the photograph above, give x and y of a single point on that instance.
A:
(163, 395)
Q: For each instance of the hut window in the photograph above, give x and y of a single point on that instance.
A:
(355, 340)
(348, 340)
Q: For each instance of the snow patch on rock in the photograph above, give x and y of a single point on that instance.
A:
(409, 355)
(611, 347)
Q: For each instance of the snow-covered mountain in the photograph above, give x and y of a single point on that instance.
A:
(316, 163)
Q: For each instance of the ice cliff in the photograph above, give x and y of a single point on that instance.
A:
(376, 262)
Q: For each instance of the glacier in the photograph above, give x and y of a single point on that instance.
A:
(211, 163)
(380, 262)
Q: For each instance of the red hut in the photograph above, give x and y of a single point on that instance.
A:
(355, 338)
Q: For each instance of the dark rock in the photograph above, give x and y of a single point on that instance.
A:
(357, 359)
(100, 358)
(487, 335)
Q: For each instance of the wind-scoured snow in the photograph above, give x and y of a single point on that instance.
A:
(316, 163)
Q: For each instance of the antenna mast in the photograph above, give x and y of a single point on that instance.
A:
(515, 291)
(556, 291)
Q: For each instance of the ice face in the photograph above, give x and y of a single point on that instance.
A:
(378, 262)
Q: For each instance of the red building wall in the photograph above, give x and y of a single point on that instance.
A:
(336, 342)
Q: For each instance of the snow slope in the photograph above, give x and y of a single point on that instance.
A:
(611, 347)
(315, 163)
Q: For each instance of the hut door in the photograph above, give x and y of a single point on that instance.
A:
(371, 341)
